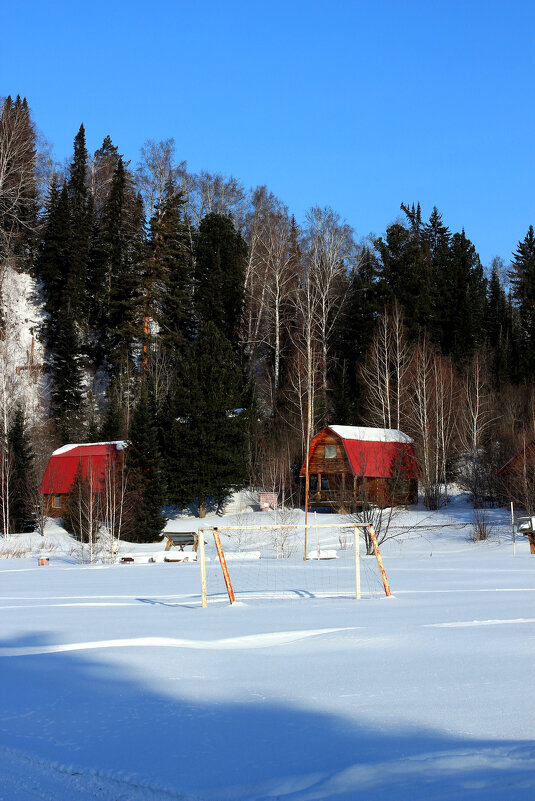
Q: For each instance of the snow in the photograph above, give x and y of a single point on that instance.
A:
(366, 434)
(119, 444)
(117, 684)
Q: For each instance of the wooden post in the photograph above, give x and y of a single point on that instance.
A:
(200, 542)
(224, 566)
(531, 539)
(356, 545)
(307, 471)
(379, 561)
(513, 528)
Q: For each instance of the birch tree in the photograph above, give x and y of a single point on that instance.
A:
(385, 372)
(17, 177)
(329, 252)
(431, 419)
(476, 417)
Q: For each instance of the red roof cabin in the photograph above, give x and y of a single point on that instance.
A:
(354, 466)
(94, 459)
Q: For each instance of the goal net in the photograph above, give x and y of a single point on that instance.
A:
(261, 562)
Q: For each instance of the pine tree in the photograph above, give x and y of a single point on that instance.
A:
(22, 490)
(207, 447)
(145, 472)
(220, 258)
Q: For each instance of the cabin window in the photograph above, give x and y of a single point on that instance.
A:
(313, 483)
(57, 501)
(325, 482)
(330, 451)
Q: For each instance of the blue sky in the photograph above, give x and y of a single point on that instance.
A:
(357, 105)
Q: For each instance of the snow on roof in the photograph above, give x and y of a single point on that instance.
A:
(364, 433)
(119, 444)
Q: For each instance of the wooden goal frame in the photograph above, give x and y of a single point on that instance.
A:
(228, 584)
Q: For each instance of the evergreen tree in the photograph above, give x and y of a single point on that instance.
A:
(465, 315)
(113, 424)
(67, 394)
(353, 338)
(406, 272)
(54, 258)
(105, 162)
(499, 328)
(81, 213)
(522, 277)
(437, 238)
(169, 273)
(207, 442)
(145, 472)
(22, 489)
(220, 259)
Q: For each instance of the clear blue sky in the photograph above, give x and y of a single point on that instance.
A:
(358, 105)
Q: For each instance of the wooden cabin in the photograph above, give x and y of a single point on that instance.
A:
(353, 466)
(94, 459)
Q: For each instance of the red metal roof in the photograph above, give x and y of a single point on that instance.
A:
(526, 454)
(375, 458)
(381, 459)
(63, 464)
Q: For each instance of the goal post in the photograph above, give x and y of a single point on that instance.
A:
(285, 527)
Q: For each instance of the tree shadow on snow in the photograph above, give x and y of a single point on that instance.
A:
(78, 709)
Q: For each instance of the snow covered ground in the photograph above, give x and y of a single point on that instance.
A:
(116, 684)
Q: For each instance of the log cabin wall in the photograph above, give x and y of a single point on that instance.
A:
(319, 464)
(53, 510)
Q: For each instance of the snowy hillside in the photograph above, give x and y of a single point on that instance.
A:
(118, 685)
(21, 354)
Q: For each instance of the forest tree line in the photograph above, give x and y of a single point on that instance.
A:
(193, 317)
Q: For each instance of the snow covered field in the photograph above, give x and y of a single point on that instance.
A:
(116, 684)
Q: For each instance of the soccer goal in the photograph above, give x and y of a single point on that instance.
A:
(281, 561)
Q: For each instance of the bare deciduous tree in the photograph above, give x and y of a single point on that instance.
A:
(431, 419)
(156, 169)
(17, 173)
(213, 192)
(329, 253)
(385, 372)
(476, 417)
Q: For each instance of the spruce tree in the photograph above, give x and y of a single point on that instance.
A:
(220, 259)
(54, 258)
(146, 487)
(81, 213)
(22, 490)
(437, 238)
(67, 393)
(406, 273)
(353, 337)
(207, 447)
(466, 313)
(522, 275)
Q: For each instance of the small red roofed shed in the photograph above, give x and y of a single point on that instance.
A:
(351, 466)
(94, 459)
